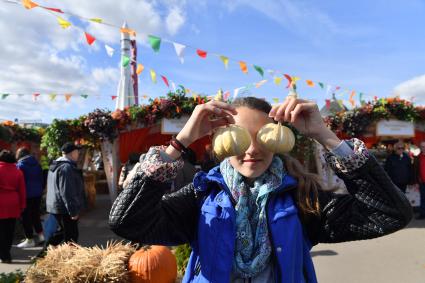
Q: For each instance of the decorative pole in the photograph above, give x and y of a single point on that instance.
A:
(134, 76)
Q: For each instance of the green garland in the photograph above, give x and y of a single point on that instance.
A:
(11, 132)
(355, 122)
(101, 125)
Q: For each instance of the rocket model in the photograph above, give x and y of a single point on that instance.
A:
(125, 92)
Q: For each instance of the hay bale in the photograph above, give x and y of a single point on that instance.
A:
(73, 263)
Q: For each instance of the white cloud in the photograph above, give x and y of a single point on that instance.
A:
(38, 56)
(414, 87)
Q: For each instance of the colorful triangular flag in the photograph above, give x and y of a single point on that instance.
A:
(277, 80)
(68, 97)
(243, 67)
(35, 95)
(84, 96)
(201, 53)
(109, 50)
(114, 97)
(29, 4)
(125, 60)
(155, 42)
(321, 85)
(179, 48)
(53, 9)
(225, 61)
(153, 76)
(128, 31)
(96, 20)
(165, 81)
(289, 78)
(328, 103)
(90, 39)
(139, 69)
(275, 100)
(260, 83)
(4, 95)
(52, 96)
(259, 70)
(310, 83)
(63, 23)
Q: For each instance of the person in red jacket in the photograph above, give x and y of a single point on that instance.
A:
(12, 201)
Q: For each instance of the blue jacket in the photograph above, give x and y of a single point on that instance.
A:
(33, 175)
(213, 249)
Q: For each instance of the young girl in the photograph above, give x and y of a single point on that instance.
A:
(255, 217)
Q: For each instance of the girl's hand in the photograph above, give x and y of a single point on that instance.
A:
(305, 116)
(204, 119)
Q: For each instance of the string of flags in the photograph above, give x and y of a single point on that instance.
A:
(155, 43)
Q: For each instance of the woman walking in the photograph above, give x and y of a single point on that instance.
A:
(255, 217)
(33, 175)
(12, 201)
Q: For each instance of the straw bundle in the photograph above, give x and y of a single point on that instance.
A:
(73, 263)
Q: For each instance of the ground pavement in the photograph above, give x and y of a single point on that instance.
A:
(399, 257)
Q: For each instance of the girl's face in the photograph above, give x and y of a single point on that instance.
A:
(256, 158)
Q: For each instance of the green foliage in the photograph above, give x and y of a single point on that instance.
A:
(11, 132)
(58, 133)
(12, 277)
(182, 254)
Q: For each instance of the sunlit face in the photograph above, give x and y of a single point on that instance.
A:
(256, 158)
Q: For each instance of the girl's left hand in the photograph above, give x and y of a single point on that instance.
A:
(305, 116)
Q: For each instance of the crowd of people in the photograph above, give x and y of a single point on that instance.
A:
(22, 185)
(405, 170)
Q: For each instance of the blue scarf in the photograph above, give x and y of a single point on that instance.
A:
(253, 246)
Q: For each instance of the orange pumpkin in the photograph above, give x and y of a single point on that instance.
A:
(153, 264)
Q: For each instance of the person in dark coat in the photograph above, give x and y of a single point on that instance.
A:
(399, 167)
(33, 175)
(255, 217)
(12, 201)
(65, 191)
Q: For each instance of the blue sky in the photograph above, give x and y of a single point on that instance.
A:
(374, 47)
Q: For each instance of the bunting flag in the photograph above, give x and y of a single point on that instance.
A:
(243, 67)
(52, 96)
(179, 48)
(260, 83)
(63, 23)
(54, 10)
(340, 103)
(225, 61)
(125, 60)
(310, 83)
(236, 92)
(109, 50)
(275, 100)
(155, 42)
(128, 31)
(153, 76)
(321, 85)
(165, 81)
(97, 20)
(139, 69)
(277, 80)
(68, 97)
(226, 95)
(29, 4)
(351, 100)
(114, 97)
(328, 103)
(259, 70)
(90, 39)
(35, 95)
(20, 94)
(201, 53)
(337, 88)
(144, 96)
(84, 96)
(289, 78)
(4, 95)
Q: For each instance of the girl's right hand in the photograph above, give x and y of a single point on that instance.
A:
(204, 119)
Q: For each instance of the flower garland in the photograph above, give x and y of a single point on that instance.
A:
(354, 122)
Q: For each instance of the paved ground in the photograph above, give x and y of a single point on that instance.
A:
(399, 257)
(93, 230)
